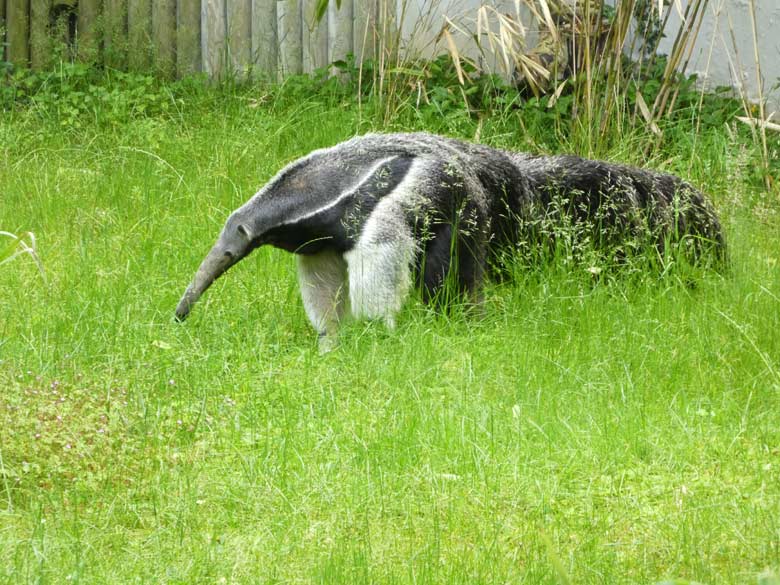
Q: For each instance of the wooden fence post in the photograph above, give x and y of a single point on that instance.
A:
(213, 33)
(164, 35)
(88, 27)
(17, 17)
(290, 37)
(365, 27)
(40, 40)
(2, 30)
(115, 33)
(265, 38)
(139, 34)
(315, 38)
(185, 36)
(340, 33)
(239, 36)
(188, 54)
(387, 25)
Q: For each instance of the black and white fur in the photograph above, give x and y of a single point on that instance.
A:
(371, 216)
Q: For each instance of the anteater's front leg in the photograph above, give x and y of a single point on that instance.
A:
(323, 283)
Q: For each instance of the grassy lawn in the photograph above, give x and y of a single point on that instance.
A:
(626, 431)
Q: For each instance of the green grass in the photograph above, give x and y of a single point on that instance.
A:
(620, 432)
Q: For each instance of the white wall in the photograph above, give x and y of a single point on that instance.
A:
(716, 58)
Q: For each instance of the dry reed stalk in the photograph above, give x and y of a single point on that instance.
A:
(664, 17)
(761, 101)
(588, 74)
(684, 67)
(685, 38)
(766, 124)
(596, 51)
(611, 62)
(677, 62)
(738, 72)
(702, 89)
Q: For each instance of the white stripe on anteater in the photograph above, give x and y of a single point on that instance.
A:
(349, 192)
(380, 264)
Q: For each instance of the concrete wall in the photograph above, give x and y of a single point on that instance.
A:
(422, 21)
(720, 58)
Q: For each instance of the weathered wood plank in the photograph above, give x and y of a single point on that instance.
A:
(40, 40)
(115, 33)
(239, 35)
(315, 38)
(213, 33)
(290, 36)
(2, 30)
(265, 38)
(340, 33)
(17, 18)
(164, 35)
(139, 34)
(387, 36)
(88, 41)
(365, 29)
(188, 54)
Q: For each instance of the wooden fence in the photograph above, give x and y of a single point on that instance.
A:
(178, 37)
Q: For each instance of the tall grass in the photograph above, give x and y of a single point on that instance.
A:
(585, 427)
(18, 245)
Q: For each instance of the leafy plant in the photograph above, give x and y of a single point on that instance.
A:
(322, 8)
(73, 93)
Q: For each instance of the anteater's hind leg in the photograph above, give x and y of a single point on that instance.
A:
(323, 283)
(453, 266)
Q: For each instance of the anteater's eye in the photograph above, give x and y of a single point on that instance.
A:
(228, 254)
(242, 230)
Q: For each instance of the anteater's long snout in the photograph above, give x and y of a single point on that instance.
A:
(218, 260)
(185, 305)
